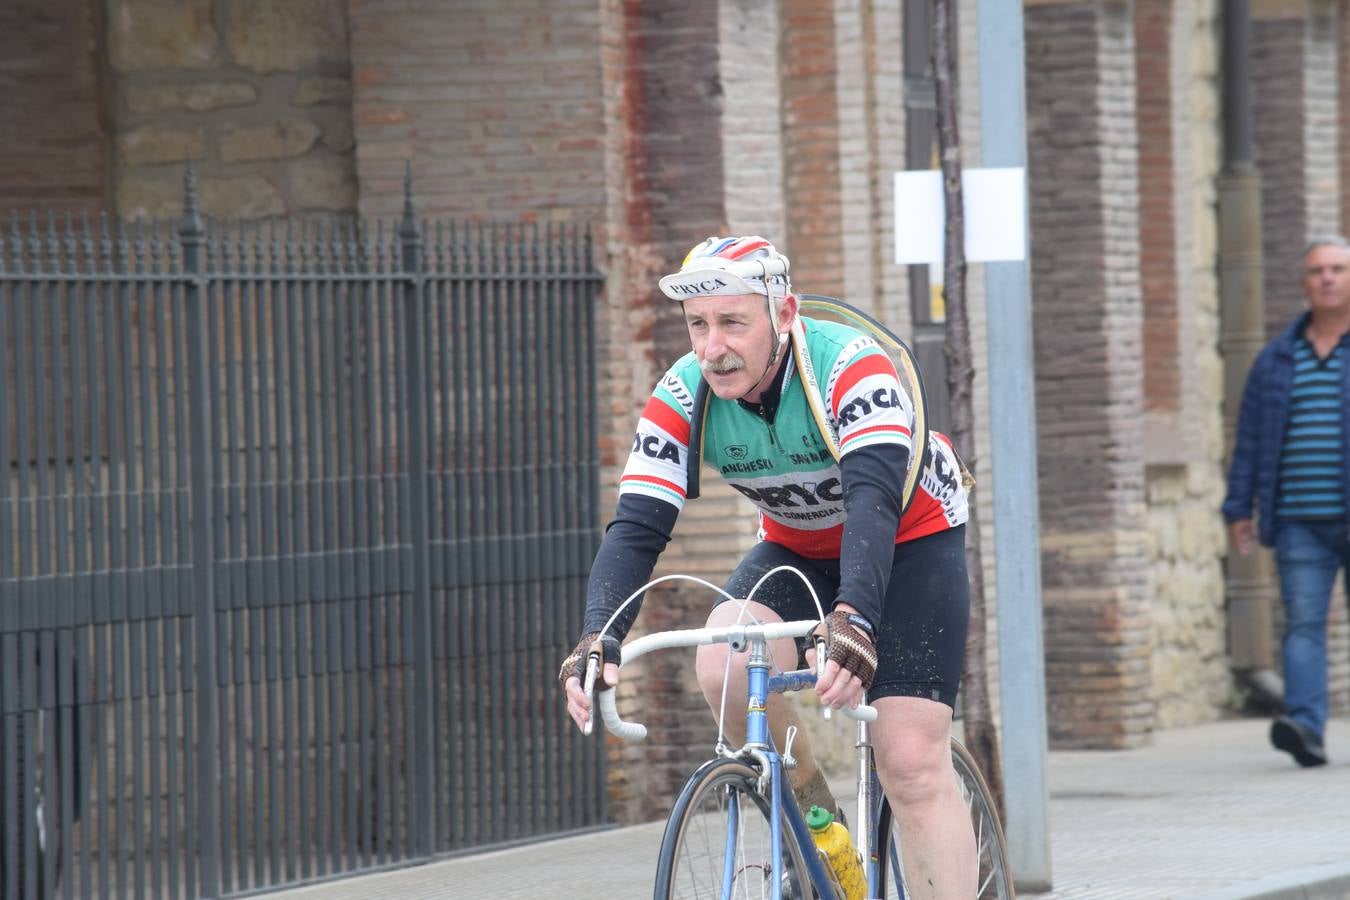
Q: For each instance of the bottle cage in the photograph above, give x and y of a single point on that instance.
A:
(864, 323)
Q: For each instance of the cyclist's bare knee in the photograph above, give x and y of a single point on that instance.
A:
(911, 740)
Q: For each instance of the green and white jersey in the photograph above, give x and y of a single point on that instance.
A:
(784, 467)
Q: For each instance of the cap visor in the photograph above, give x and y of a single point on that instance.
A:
(709, 283)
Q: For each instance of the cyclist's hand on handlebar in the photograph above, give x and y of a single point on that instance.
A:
(851, 661)
(573, 672)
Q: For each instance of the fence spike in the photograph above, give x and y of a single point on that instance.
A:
(15, 241)
(105, 244)
(139, 245)
(349, 228)
(87, 243)
(259, 248)
(192, 220)
(71, 245)
(273, 248)
(407, 188)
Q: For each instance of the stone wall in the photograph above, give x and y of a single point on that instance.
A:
(256, 94)
(1191, 679)
(52, 128)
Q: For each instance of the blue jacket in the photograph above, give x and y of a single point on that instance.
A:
(1260, 433)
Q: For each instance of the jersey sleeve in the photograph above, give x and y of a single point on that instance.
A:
(866, 401)
(651, 495)
(658, 461)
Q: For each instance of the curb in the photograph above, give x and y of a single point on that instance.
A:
(1326, 882)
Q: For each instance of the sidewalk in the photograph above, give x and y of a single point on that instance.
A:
(1210, 812)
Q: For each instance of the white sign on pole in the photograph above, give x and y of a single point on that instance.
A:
(995, 206)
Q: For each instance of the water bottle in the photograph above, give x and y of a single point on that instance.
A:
(832, 838)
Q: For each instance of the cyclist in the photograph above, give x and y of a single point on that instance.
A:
(895, 586)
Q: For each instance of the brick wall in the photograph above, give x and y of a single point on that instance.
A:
(1277, 110)
(856, 154)
(1157, 234)
(811, 144)
(497, 104)
(1084, 226)
(53, 137)
(1343, 113)
(887, 116)
(1321, 94)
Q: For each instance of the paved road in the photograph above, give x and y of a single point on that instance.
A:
(1204, 813)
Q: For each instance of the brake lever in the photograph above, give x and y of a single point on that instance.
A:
(821, 659)
(588, 686)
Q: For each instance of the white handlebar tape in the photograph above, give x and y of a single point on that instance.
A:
(609, 711)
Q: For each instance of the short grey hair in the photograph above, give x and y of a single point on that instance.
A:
(1323, 240)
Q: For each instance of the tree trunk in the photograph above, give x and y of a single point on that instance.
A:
(981, 738)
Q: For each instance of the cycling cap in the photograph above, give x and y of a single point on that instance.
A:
(731, 267)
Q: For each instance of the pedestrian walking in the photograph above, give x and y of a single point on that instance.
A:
(1291, 461)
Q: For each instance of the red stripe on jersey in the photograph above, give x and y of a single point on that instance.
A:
(674, 424)
(898, 429)
(659, 482)
(822, 544)
(924, 517)
(871, 364)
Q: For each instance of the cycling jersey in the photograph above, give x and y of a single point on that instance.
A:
(806, 501)
(783, 466)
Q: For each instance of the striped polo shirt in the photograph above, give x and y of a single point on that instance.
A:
(1310, 458)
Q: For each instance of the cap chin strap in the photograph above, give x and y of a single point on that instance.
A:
(777, 338)
(775, 350)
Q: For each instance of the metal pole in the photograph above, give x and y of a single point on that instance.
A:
(191, 235)
(424, 723)
(1012, 404)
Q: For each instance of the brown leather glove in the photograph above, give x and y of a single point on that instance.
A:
(575, 663)
(848, 641)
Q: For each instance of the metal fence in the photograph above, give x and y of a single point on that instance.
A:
(294, 527)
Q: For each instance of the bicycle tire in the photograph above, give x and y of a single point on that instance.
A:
(693, 849)
(994, 879)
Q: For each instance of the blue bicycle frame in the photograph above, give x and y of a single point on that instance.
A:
(758, 740)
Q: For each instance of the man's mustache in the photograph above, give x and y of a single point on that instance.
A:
(728, 362)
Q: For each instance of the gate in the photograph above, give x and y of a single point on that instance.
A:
(295, 521)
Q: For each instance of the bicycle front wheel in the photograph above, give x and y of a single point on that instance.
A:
(994, 879)
(718, 841)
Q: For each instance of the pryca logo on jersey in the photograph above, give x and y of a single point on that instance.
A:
(863, 406)
(656, 447)
(793, 494)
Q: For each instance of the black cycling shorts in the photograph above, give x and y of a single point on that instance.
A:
(922, 637)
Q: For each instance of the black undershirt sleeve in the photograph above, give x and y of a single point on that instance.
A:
(873, 479)
(639, 531)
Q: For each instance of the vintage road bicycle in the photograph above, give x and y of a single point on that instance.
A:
(736, 831)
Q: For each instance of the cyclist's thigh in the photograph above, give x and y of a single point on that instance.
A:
(782, 594)
(922, 637)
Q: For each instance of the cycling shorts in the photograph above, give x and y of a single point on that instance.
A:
(922, 636)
